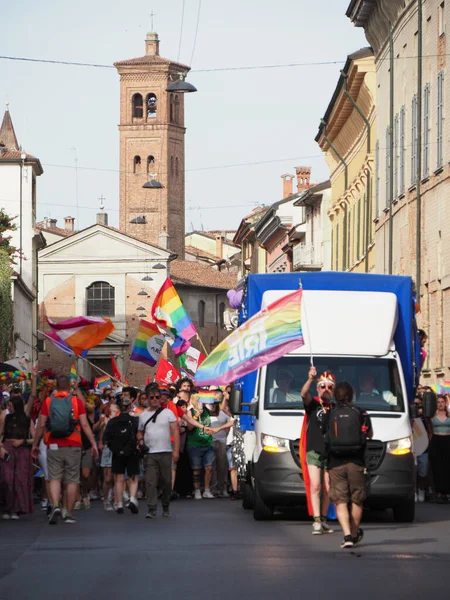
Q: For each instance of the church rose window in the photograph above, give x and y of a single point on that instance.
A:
(138, 107)
(151, 106)
(100, 300)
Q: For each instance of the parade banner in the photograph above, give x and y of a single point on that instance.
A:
(82, 333)
(270, 334)
(148, 344)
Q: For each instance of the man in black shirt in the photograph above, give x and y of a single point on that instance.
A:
(313, 448)
(346, 429)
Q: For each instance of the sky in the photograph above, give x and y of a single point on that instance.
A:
(68, 115)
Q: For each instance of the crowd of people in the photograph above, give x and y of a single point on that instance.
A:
(121, 445)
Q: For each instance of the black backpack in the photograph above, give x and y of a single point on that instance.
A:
(121, 436)
(345, 435)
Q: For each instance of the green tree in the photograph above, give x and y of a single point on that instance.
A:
(6, 307)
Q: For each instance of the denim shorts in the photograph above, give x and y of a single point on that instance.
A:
(201, 457)
(422, 465)
(230, 458)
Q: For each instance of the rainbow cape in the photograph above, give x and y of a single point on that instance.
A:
(168, 311)
(271, 333)
(148, 344)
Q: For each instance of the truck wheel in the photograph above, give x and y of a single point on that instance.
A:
(404, 512)
(261, 510)
(247, 496)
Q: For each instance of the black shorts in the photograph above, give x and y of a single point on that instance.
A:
(128, 464)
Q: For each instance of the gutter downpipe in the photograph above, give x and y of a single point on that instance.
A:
(391, 149)
(369, 149)
(419, 155)
(344, 254)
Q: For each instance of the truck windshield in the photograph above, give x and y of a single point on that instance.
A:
(376, 382)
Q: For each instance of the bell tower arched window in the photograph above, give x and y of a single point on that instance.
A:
(100, 300)
(137, 164)
(172, 169)
(171, 108)
(177, 108)
(138, 107)
(150, 164)
(151, 103)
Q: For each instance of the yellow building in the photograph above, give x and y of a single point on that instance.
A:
(347, 135)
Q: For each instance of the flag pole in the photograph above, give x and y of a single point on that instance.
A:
(202, 344)
(99, 369)
(303, 314)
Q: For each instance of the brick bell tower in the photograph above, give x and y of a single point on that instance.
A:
(152, 147)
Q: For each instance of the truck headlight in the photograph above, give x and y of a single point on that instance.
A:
(270, 443)
(399, 447)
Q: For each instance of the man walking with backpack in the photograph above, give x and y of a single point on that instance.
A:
(157, 426)
(346, 430)
(121, 436)
(64, 416)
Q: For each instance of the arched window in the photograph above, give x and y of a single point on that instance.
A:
(150, 164)
(137, 164)
(222, 315)
(171, 108)
(138, 107)
(100, 300)
(151, 106)
(201, 313)
(172, 163)
(177, 108)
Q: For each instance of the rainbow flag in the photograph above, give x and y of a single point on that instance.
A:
(270, 334)
(148, 344)
(446, 386)
(102, 382)
(168, 311)
(73, 372)
(82, 333)
(206, 396)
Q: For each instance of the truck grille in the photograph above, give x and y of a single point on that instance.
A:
(374, 453)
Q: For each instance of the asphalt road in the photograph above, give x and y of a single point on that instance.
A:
(213, 549)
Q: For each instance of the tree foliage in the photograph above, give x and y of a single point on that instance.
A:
(6, 226)
(6, 307)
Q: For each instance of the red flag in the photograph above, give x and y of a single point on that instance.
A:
(147, 379)
(126, 382)
(115, 370)
(166, 372)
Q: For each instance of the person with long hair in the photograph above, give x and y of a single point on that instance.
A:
(439, 450)
(16, 475)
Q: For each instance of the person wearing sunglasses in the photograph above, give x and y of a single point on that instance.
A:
(312, 448)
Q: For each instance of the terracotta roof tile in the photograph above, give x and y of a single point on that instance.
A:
(189, 272)
(15, 155)
(197, 252)
(150, 59)
(55, 230)
(8, 137)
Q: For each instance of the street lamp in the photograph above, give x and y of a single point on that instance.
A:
(139, 221)
(180, 85)
(153, 184)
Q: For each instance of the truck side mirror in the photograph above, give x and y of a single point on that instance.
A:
(429, 402)
(235, 401)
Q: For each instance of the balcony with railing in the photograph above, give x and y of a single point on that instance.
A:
(307, 257)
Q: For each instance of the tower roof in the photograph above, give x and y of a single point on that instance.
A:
(8, 137)
(152, 57)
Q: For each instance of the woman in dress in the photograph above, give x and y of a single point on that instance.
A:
(16, 475)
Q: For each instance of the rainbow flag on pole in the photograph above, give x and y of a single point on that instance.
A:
(206, 396)
(82, 333)
(148, 344)
(102, 382)
(168, 311)
(73, 372)
(270, 334)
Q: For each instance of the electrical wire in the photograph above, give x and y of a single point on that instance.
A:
(196, 30)
(181, 30)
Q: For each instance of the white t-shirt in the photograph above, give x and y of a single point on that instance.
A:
(157, 435)
(221, 419)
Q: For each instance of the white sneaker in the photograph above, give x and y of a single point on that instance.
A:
(317, 528)
(108, 506)
(111, 495)
(64, 513)
(6, 516)
(421, 496)
(77, 506)
(44, 504)
(133, 506)
(197, 496)
(326, 528)
(93, 495)
(126, 497)
(207, 494)
(14, 517)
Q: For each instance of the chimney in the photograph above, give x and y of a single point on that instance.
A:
(152, 44)
(69, 223)
(46, 223)
(164, 240)
(219, 245)
(102, 218)
(52, 222)
(303, 177)
(287, 185)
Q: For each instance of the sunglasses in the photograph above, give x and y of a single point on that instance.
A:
(156, 397)
(324, 386)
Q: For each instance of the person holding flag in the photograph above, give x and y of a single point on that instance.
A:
(312, 448)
